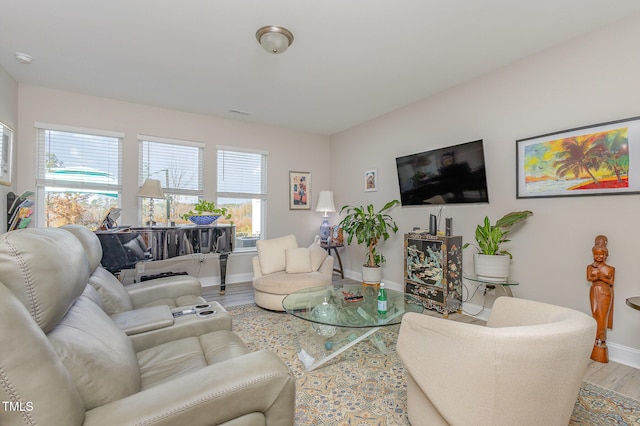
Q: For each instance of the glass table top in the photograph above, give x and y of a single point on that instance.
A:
(484, 281)
(349, 305)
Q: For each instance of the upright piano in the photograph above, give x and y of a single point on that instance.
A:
(124, 248)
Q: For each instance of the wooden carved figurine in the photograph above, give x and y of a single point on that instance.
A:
(601, 277)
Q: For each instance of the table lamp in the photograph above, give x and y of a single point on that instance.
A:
(325, 205)
(151, 189)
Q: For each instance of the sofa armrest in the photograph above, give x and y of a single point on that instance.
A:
(516, 312)
(326, 268)
(183, 326)
(257, 269)
(258, 382)
(163, 288)
(142, 320)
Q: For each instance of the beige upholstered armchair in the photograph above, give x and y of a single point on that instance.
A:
(524, 368)
(281, 267)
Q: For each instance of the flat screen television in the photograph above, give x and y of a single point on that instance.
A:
(450, 175)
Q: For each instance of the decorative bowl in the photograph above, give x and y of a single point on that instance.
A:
(203, 219)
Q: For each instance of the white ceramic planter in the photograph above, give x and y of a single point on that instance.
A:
(492, 268)
(371, 275)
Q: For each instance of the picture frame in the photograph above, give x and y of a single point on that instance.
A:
(336, 236)
(6, 152)
(299, 190)
(371, 180)
(599, 159)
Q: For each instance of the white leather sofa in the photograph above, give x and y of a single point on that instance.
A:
(281, 267)
(524, 368)
(63, 361)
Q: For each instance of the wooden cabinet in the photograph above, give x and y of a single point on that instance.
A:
(433, 271)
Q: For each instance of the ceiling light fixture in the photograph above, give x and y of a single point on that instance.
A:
(23, 58)
(274, 39)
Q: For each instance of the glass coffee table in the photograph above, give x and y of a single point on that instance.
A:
(338, 317)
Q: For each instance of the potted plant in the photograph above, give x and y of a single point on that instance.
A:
(369, 227)
(205, 213)
(491, 262)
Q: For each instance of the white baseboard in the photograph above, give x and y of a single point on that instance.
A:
(624, 355)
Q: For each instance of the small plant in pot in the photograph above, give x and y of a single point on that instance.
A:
(205, 213)
(491, 263)
(369, 226)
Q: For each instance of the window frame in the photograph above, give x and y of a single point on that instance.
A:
(146, 169)
(262, 195)
(82, 186)
(6, 154)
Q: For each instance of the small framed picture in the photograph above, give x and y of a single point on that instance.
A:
(336, 236)
(371, 180)
(299, 191)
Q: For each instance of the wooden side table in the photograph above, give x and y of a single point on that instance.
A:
(328, 247)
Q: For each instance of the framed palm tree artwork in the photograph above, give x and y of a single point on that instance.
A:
(592, 160)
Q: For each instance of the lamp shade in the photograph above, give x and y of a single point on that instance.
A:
(325, 202)
(151, 189)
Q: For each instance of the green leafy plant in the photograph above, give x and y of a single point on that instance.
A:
(490, 237)
(368, 227)
(204, 207)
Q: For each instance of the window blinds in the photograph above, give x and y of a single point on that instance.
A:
(78, 160)
(242, 174)
(176, 164)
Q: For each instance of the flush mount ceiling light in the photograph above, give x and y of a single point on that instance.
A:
(274, 39)
(23, 58)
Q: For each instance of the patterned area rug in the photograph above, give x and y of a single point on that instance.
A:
(364, 387)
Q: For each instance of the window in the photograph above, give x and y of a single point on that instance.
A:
(6, 142)
(242, 189)
(177, 165)
(79, 174)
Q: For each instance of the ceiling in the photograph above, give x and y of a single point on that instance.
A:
(351, 60)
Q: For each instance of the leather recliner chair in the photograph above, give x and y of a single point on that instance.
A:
(64, 361)
(145, 311)
(179, 290)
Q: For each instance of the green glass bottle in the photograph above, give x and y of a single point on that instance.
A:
(382, 300)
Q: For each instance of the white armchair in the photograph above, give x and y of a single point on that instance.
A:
(524, 368)
(281, 267)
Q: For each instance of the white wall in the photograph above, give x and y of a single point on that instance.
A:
(8, 116)
(589, 80)
(288, 150)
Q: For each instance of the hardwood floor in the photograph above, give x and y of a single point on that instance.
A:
(614, 376)
(235, 294)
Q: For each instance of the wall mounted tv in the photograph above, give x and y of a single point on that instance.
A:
(450, 175)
